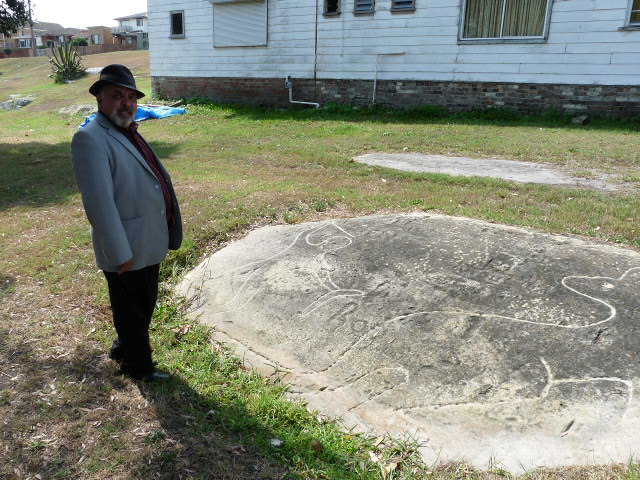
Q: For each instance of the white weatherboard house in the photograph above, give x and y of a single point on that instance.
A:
(530, 55)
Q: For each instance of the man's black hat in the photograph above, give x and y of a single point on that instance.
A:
(115, 74)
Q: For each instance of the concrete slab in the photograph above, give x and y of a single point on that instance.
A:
(524, 172)
(488, 343)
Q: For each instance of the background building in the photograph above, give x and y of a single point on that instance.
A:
(132, 30)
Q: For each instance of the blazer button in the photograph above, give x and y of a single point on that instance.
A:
(157, 186)
(161, 212)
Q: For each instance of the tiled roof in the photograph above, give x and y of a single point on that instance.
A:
(51, 28)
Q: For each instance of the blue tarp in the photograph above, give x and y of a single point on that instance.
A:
(147, 112)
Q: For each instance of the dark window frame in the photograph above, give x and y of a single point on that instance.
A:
(335, 13)
(504, 39)
(358, 10)
(403, 5)
(630, 13)
(171, 32)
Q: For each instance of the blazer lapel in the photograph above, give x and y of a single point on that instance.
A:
(126, 143)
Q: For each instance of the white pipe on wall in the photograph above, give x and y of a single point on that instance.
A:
(288, 83)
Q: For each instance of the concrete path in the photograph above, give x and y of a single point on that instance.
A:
(488, 343)
(524, 172)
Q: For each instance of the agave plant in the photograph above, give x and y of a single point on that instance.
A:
(66, 63)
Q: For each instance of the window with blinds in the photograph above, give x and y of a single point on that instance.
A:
(505, 19)
(635, 13)
(363, 7)
(403, 5)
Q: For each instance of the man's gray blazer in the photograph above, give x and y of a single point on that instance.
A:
(122, 198)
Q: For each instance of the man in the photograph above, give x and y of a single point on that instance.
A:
(131, 205)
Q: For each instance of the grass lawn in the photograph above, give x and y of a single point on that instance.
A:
(63, 412)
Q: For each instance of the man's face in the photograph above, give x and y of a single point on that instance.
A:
(119, 104)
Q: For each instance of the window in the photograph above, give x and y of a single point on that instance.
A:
(239, 23)
(634, 18)
(332, 7)
(505, 19)
(139, 22)
(25, 43)
(363, 7)
(403, 5)
(177, 24)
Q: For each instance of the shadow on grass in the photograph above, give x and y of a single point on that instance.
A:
(425, 114)
(200, 438)
(37, 174)
(93, 432)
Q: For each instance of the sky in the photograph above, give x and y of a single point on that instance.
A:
(85, 13)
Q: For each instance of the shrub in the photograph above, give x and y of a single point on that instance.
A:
(7, 51)
(66, 63)
(79, 42)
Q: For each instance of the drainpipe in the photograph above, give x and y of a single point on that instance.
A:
(315, 49)
(288, 83)
(375, 77)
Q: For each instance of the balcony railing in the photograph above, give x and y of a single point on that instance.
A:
(128, 28)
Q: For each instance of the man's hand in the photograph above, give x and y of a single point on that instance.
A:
(125, 267)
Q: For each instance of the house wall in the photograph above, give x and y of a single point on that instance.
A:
(105, 35)
(584, 46)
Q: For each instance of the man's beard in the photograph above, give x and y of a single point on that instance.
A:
(122, 120)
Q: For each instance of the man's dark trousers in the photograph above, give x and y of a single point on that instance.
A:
(133, 296)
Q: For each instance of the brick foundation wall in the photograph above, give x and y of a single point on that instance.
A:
(602, 100)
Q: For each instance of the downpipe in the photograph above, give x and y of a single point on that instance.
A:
(288, 84)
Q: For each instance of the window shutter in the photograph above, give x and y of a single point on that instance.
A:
(363, 6)
(403, 5)
(240, 24)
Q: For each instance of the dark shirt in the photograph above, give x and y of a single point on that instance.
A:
(145, 150)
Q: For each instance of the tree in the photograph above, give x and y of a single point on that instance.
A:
(13, 15)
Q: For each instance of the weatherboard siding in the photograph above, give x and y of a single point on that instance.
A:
(584, 45)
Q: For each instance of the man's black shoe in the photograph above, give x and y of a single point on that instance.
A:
(144, 375)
